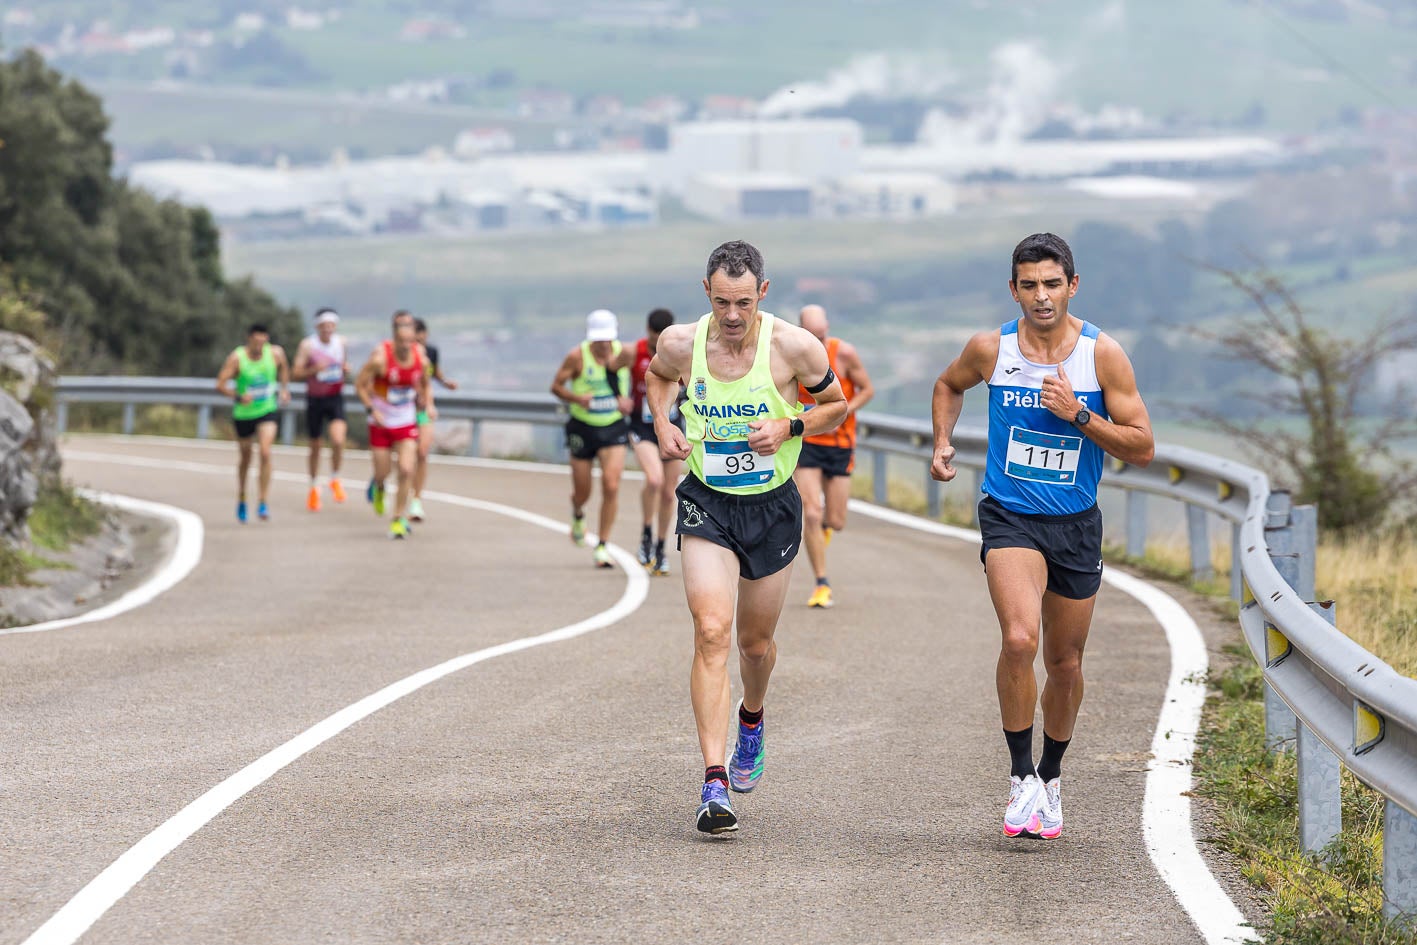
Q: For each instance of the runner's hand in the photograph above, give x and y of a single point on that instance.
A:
(768, 435)
(432, 412)
(626, 405)
(376, 418)
(450, 384)
(243, 399)
(941, 467)
(672, 442)
(1057, 396)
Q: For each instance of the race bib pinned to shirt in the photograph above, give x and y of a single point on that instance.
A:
(1043, 457)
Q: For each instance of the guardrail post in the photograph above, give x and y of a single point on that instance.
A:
(1136, 523)
(878, 477)
(1196, 530)
(1399, 865)
(129, 414)
(1305, 522)
(1237, 575)
(204, 421)
(474, 443)
(61, 418)
(287, 427)
(1279, 721)
(1320, 781)
(932, 495)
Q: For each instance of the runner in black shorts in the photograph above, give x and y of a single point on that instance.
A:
(322, 362)
(594, 382)
(1061, 395)
(661, 472)
(824, 469)
(740, 513)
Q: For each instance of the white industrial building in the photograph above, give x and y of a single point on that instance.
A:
(750, 196)
(812, 149)
(900, 196)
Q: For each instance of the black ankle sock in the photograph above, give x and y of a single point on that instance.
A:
(646, 534)
(659, 546)
(1050, 765)
(750, 718)
(716, 773)
(823, 582)
(1020, 751)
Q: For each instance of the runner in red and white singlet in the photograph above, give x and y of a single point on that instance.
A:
(393, 385)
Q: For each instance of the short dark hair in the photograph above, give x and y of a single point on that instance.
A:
(258, 327)
(401, 313)
(323, 309)
(420, 325)
(1041, 246)
(735, 258)
(659, 319)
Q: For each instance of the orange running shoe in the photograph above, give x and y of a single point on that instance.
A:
(337, 490)
(312, 501)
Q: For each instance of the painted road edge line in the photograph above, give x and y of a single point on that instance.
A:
(186, 553)
(104, 890)
(1166, 808)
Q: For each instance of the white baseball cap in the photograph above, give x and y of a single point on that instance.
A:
(601, 325)
(326, 316)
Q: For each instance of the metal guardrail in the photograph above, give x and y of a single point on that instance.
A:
(1326, 697)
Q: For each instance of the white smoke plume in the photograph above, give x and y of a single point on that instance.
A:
(877, 75)
(1023, 91)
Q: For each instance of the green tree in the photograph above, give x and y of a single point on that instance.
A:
(126, 282)
(1349, 472)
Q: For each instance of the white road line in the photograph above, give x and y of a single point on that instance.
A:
(91, 902)
(185, 555)
(1166, 808)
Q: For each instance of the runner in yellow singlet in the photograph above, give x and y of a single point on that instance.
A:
(740, 516)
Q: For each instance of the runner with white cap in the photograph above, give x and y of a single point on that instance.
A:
(594, 381)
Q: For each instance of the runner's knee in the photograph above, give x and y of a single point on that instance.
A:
(1020, 644)
(811, 515)
(712, 636)
(1064, 666)
(756, 649)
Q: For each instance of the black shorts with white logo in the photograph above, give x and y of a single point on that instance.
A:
(833, 461)
(585, 440)
(763, 529)
(320, 412)
(1071, 545)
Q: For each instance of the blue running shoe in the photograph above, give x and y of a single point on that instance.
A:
(746, 766)
(715, 813)
(241, 512)
(263, 513)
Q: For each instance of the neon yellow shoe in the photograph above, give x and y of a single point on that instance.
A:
(602, 556)
(578, 531)
(398, 528)
(821, 597)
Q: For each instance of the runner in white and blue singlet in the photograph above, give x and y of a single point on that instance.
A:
(1061, 393)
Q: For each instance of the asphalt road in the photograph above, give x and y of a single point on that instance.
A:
(548, 795)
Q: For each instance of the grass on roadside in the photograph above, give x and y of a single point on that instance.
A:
(1332, 899)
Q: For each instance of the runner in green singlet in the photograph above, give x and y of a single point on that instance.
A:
(262, 386)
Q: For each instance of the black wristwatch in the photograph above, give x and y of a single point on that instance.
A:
(796, 427)
(1081, 419)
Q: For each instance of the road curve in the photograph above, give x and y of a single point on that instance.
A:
(548, 795)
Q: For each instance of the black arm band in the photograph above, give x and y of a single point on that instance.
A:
(826, 382)
(613, 379)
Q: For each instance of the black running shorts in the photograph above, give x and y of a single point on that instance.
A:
(245, 429)
(764, 530)
(1070, 544)
(585, 441)
(833, 461)
(320, 411)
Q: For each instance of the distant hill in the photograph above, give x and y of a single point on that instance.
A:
(1292, 65)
